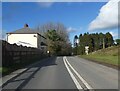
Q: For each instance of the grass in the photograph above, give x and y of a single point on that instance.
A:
(3, 69)
(107, 56)
(103, 58)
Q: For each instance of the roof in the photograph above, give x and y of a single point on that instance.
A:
(25, 30)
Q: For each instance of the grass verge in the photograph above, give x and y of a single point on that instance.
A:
(103, 58)
(108, 60)
(3, 69)
(108, 56)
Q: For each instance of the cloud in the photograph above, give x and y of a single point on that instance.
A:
(54, 0)
(71, 29)
(46, 4)
(114, 34)
(107, 17)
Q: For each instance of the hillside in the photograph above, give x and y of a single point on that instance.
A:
(113, 51)
(108, 56)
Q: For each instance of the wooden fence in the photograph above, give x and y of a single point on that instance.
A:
(13, 54)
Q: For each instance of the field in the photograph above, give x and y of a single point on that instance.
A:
(108, 56)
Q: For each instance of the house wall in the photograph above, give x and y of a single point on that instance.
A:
(29, 40)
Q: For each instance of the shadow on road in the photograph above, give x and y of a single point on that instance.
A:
(30, 71)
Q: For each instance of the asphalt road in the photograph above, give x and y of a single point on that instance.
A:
(65, 73)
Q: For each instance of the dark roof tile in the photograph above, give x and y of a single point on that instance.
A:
(26, 30)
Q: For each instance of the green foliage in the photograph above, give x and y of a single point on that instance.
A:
(57, 38)
(52, 35)
(3, 69)
(57, 44)
(118, 41)
(109, 39)
(95, 42)
(107, 55)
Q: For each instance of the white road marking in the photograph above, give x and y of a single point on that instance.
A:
(79, 76)
(72, 76)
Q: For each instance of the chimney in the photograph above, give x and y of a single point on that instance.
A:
(26, 26)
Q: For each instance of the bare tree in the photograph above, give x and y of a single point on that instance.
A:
(59, 27)
(63, 44)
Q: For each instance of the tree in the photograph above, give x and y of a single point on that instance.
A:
(95, 41)
(118, 41)
(108, 39)
(76, 44)
(101, 40)
(59, 27)
(75, 40)
(52, 37)
(57, 38)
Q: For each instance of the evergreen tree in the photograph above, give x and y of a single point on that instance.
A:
(118, 41)
(101, 40)
(109, 39)
(95, 41)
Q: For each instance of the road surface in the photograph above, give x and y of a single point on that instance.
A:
(65, 73)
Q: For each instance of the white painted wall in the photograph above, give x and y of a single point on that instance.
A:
(28, 40)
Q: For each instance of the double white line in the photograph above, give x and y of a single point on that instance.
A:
(69, 66)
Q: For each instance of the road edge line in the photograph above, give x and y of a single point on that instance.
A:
(72, 76)
(79, 76)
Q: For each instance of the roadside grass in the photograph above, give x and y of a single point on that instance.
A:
(108, 56)
(3, 69)
(102, 58)
(6, 70)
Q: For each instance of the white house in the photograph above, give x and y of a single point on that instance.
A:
(27, 37)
